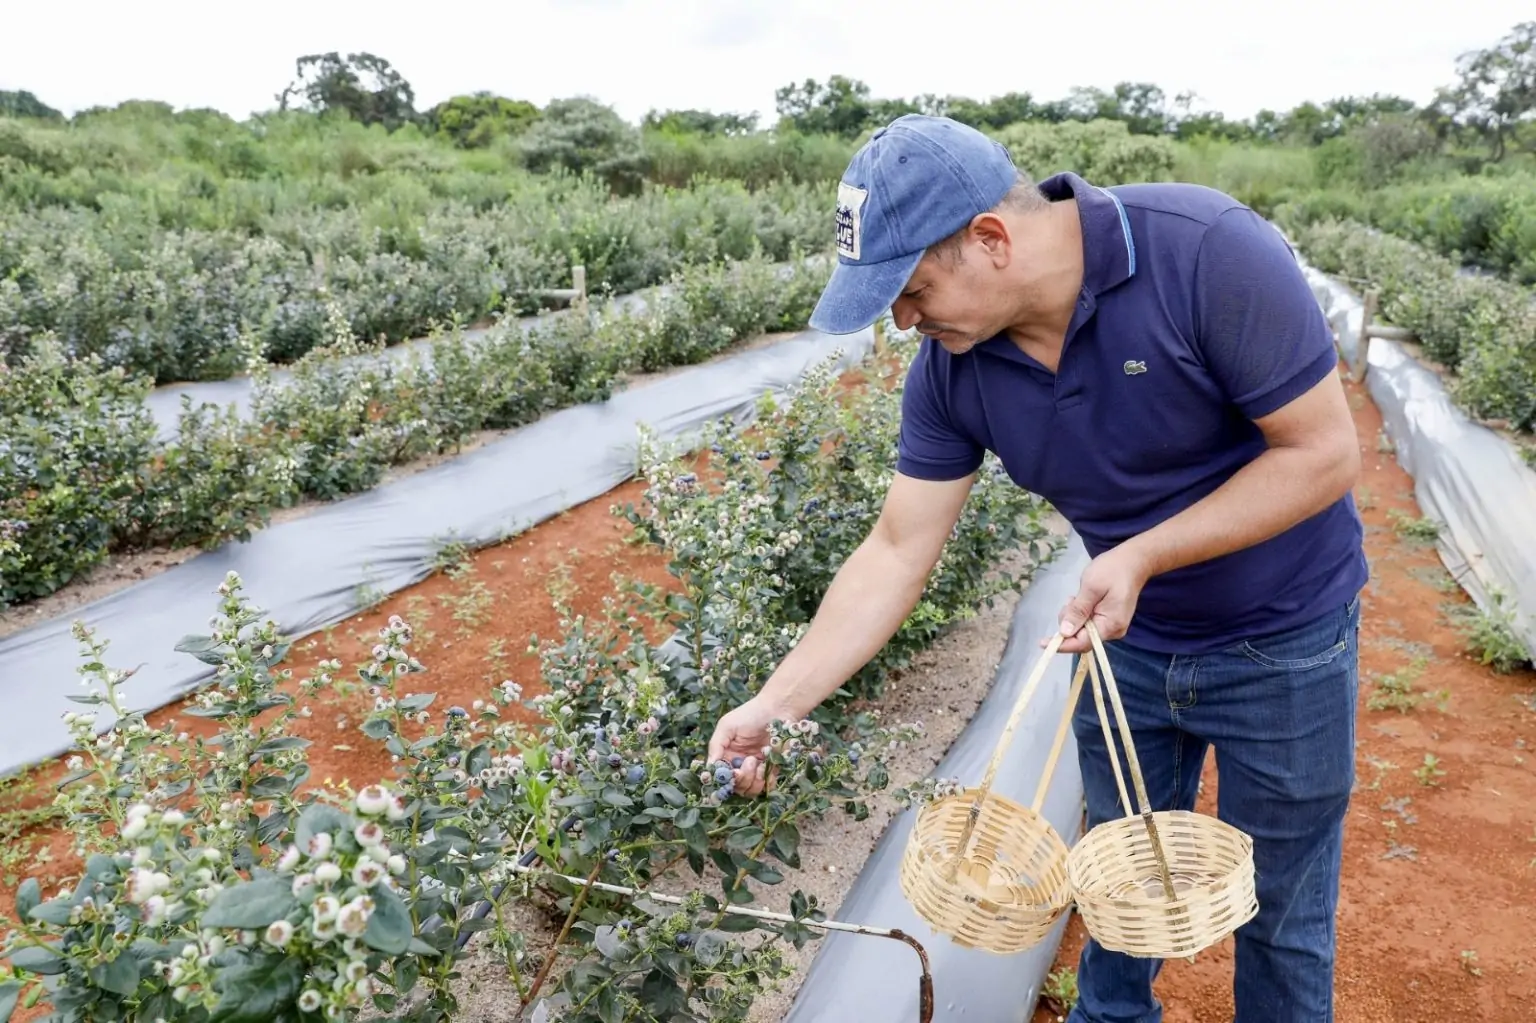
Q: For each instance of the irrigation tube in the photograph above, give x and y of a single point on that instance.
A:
(851, 980)
(311, 572)
(1465, 475)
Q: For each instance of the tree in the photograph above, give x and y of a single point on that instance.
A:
(366, 87)
(842, 107)
(21, 103)
(699, 122)
(1495, 96)
(473, 121)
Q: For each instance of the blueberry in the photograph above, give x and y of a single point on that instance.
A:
(457, 712)
(615, 761)
(635, 775)
(684, 940)
(722, 774)
(763, 456)
(853, 756)
(737, 761)
(613, 854)
(599, 734)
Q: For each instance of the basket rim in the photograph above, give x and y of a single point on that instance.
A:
(1234, 880)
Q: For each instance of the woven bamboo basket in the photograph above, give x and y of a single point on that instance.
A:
(1160, 885)
(984, 870)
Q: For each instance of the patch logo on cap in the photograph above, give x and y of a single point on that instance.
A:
(850, 207)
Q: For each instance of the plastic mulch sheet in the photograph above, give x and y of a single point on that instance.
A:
(1465, 475)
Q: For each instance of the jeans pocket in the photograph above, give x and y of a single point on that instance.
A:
(1308, 646)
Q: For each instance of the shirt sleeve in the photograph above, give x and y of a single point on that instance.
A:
(929, 446)
(1259, 328)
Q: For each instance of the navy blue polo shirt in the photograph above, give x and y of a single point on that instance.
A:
(1193, 320)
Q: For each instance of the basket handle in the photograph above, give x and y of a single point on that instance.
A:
(1101, 660)
(1028, 692)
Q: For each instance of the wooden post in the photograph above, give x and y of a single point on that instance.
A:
(1363, 342)
(579, 283)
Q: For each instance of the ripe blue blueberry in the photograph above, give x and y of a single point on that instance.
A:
(615, 761)
(722, 774)
(724, 792)
(635, 775)
(684, 940)
(737, 761)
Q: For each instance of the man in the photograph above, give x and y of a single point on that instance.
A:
(1150, 360)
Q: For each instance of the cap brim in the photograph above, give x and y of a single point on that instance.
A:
(859, 293)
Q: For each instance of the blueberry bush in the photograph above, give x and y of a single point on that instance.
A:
(221, 882)
(1481, 329)
(87, 479)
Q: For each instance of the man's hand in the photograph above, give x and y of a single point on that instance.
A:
(1107, 593)
(739, 740)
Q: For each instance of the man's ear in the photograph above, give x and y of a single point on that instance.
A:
(990, 232)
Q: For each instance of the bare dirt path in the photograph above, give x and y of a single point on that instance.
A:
(1439, 892)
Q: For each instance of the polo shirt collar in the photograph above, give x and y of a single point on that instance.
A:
(1109, 251)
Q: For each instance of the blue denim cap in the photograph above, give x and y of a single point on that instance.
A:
(916, 182)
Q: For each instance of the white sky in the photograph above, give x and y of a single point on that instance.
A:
(730, 55)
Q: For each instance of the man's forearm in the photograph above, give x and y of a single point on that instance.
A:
(869, 598)
(1280, 488)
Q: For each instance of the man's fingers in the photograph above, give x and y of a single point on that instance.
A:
(749, 777)
(717, 744)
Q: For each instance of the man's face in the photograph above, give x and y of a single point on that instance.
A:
(953, 298)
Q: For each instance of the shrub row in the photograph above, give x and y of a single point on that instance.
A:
(83, 476)
(1486, 221)
(1481, 329)
(193, 303)
(220, 886)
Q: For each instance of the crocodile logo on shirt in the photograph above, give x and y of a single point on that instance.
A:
(1134, 366)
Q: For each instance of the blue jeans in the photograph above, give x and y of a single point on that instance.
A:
(1280, 713)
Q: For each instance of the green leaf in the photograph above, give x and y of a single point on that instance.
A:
(709, 949)
(42, 961)
(318, 817)
(744, 839)
(258, 990)
(417, 947)
(9, 993)
(686, 818)
(389, 928)
(416, 702)
(378, 728)
(27, 896)
(120, 976)
(673, 795)
(54, 911)
(785, 844)
(201, 647)
(252, 905)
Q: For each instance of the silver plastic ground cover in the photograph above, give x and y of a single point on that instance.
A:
(1465, 475)
(854, 977)
(308, 573)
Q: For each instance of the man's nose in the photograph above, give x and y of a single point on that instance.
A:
(905, 314)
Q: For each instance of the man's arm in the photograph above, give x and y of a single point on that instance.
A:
(871, 595)
(1313, 460)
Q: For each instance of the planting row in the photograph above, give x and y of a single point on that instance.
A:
(1482, 330)
(200, 303)
(1487, 221)
(84, 476)
(220, 885)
